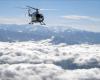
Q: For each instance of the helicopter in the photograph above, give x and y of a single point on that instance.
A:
(36, 16)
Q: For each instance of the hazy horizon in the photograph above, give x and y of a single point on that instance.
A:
(73, 13)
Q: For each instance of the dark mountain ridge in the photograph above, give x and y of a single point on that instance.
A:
(11, 33)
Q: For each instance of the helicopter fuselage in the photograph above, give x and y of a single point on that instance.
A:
(36, 17)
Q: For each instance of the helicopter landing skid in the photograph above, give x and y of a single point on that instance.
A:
(42, 23)
(31, 23)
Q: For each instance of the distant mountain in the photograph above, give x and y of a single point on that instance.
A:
(60, 34)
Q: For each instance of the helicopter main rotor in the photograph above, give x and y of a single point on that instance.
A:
(29, 7)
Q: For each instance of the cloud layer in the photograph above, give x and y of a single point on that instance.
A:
(9, 20)
(45, 61)
(76, 17)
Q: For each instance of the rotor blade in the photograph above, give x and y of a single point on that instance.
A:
(32, 7)
(21, 8)
(48, 9)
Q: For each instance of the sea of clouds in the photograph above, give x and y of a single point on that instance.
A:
(45, 61)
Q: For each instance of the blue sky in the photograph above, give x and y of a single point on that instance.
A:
(82, 14)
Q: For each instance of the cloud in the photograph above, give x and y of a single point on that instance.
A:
(10, 20)
(44, 61)
(78, 17)
(75, 17)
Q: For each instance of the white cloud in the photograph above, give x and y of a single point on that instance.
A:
(39, 61)
(79, 17)
(76, 17)
(10, 20)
